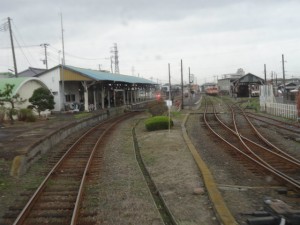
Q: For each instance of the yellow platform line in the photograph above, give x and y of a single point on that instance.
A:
(223, 213)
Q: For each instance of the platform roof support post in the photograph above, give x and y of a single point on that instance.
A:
(108, 97)
(95, 100)
(124, 97)
(102, 96)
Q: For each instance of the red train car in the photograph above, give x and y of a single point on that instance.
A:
(212, 91)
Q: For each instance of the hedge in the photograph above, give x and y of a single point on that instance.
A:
(158, 123)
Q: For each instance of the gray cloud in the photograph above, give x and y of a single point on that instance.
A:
(150, 32)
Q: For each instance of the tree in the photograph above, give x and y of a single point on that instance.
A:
(41, 100)
(6, 96)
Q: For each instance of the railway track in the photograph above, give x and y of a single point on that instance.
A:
(258, 152)
(64, 197)
(293, 127)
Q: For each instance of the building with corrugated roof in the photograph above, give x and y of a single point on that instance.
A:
(77, 88)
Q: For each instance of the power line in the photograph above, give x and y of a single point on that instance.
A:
(21, 46)
(22, 40)
(4, 26)
(22, 51)
(74, 56)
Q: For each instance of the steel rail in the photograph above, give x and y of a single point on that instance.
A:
(297, 126)
(268, 142)
(81, 188)
(289, 159)
(282, 154)
(276, 171)
(24, 213)
(292, 182)
(30, 204)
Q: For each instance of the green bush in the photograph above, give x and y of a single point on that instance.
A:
(158, 123)
(157, 108)
(26, 115)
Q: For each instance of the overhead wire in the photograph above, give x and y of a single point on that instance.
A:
(22, 50)
(29, 53)
(78, 57)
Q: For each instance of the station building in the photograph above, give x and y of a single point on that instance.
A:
(81, 89)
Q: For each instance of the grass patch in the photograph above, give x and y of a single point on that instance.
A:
(251, 103)
(158, 123)
(176, 114)
(82, 115)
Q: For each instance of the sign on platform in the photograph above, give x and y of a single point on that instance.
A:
(169, 103)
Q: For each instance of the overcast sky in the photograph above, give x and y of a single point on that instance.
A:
(211, 37)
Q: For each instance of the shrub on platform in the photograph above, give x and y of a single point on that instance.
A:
(157, 108)
(158, 123)
(26, 115)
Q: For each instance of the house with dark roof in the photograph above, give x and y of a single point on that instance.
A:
(247, 85)
(78, 88)
(31, 72)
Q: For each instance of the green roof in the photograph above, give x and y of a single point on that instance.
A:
(14, 81)
(18, 82)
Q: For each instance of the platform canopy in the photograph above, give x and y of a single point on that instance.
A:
(72, 73)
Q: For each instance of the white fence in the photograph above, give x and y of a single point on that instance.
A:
(279, 109)
(269, 105)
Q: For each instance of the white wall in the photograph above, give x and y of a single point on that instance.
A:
(224, 85)
(26, 91)
(51, 79)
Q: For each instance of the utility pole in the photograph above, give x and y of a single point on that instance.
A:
(12, 47)
(45, 61)
(265, 70)
(283, 72)
(272, 77)
(181, 85)
(62, 65)
(190, 89)
(169, 82)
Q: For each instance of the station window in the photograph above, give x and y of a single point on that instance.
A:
(70, 98)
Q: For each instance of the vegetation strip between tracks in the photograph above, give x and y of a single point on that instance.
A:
(223, 213)
(165, 213)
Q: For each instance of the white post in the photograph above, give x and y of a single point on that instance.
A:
(86, 96)
(95, 101)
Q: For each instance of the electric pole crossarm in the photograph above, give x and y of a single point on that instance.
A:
(46, 60)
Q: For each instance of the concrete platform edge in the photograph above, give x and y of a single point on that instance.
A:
(223, 213)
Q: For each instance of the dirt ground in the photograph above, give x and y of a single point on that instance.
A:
(124, 197)
(242, 196)
(175, 173)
